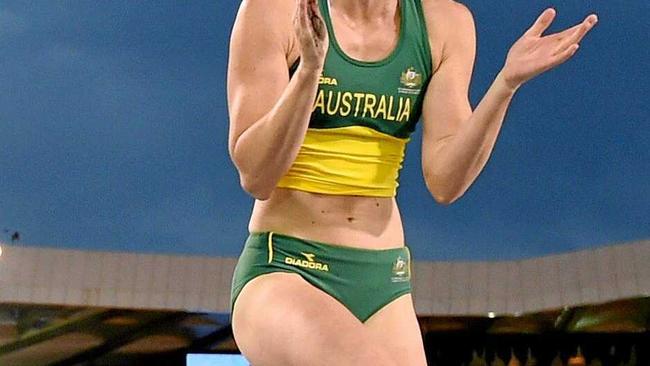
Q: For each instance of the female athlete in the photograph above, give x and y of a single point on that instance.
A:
(323, 96)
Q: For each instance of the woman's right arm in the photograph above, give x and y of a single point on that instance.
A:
(269, 114)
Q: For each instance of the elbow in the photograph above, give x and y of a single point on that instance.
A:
(443, 191)
(444, 199)
(251, 183)
(255, 187)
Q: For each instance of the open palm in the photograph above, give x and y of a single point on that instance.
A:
(535, 53)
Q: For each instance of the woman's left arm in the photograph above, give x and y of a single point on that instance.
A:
(457, 141)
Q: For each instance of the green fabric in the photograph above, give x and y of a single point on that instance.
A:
(384, 87)
(363, 280)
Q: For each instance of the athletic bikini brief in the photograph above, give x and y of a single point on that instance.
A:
(363, 280)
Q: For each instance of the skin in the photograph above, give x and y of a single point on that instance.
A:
(269, 117)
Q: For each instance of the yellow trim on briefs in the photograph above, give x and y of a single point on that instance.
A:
(353, 160)
(270, 247)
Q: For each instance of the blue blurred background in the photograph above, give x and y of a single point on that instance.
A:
(113, 131)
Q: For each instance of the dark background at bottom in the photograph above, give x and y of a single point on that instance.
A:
(455, 349)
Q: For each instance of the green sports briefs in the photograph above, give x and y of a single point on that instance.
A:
(363, 280)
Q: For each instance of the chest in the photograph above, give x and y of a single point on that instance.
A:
(376, 78)
(386, 97)
(366, 41)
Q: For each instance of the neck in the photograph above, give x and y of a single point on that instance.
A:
(365, 9)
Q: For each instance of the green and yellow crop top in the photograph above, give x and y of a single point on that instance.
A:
(363, 115)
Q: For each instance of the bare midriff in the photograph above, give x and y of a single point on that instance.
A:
(354, 221)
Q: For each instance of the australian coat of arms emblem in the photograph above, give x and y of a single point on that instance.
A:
(411, 79)
(401, 270)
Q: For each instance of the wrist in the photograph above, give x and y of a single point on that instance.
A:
(309, 70)
(504, 84)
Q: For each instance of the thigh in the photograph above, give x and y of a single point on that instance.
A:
(396, 327)
(280, 319)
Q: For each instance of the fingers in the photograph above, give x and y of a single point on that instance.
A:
(542, 23)
(299, 16)
(577, 34)
(565, 33)
(302, 20)
(317, 23)
(313, 6)
(308, 21)
(564, 55)
(311, 34)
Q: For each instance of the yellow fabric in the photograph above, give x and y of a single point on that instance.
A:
(270, 247)
(354, 160)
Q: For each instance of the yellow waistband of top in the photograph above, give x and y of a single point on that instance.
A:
(354, 160)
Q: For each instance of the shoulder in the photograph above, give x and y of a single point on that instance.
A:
(264, 21)
(449, 24)
(268, 7)
(447, 12)
(275, 13)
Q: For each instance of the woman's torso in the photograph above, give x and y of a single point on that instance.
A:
(350, 220)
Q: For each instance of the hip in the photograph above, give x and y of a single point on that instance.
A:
(364, 280)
